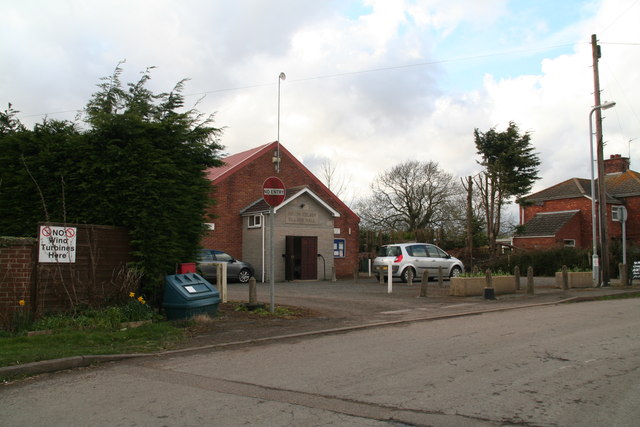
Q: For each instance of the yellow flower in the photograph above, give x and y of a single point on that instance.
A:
(141, 299)
(132, 294)
(143, 302)
(21, 303)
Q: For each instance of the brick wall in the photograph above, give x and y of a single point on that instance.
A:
(584, 205)
(102, 253)
(16, 263)
(241, 188)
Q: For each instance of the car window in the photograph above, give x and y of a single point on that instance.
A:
(205, 256)
(417, 250)
(441, 253)
(221, 256)
(435, 252)
(389, 251)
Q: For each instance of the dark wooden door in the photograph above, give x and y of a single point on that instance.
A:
(289, 258)
(301, 258)
(309, 258)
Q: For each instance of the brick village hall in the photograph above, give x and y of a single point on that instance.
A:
(314, 230)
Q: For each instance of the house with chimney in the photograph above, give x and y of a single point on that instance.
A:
(314, 231)
(561, 215)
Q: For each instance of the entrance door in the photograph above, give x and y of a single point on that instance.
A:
(301, 258)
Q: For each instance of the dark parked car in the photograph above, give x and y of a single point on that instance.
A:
(236, 270)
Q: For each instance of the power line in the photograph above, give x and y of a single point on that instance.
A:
(357, 72)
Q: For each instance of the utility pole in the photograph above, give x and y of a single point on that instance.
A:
(602, 191)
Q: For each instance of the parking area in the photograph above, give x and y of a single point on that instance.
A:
(367, 301)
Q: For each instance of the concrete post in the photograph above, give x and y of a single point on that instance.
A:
(530, 280)
(253, 292)
(424, 284)
(440, 279)
(516, 275)
(410, 278)
(624, 274)
(333, 274)
(489, 292)
(565, 278)
(225, 294)
(221, 289)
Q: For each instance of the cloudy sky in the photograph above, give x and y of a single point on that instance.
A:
(370, 83)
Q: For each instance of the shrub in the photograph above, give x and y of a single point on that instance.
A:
(544, 262)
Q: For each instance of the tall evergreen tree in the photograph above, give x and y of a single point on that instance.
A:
(139, 164)
(510, 169)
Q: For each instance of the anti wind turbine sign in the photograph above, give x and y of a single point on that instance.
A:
(57, 244)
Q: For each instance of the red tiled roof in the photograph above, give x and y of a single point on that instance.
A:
(233, 161)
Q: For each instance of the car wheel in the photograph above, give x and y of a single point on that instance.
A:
(455, 271)
(408, 274)
(244, 276)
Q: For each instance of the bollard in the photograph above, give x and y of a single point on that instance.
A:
(221, 281)
(253, 292)
(624, 274)
(410, 277)
(440, 279)
(489, 292)
(333, 274)
(516, 275)
(565, 278)
(390, 277)
(530, 280)
(424, 282)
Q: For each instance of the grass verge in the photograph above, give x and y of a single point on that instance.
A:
(152, 337)
(620, 296)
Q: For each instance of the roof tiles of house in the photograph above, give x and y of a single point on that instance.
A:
(235, 162)
(569, 189)
(232, 162)
(546, 224)
(624, 184)
(618, 185)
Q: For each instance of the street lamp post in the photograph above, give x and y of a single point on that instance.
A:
(281, 77)
(595, 261)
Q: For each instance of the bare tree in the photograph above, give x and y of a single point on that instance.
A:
(411, 196)
(330, 177)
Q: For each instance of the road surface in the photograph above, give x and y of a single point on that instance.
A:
(563, 365)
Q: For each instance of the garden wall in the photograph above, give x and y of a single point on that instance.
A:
(474, 286)
(97, 277)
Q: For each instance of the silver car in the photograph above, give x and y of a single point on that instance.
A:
(410, 260)
(236, 270)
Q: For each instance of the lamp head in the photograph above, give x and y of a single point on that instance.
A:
(283, 76)
(607, 104)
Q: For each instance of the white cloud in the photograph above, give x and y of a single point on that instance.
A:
(369, 84)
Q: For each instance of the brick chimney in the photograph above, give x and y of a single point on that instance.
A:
(616, 164)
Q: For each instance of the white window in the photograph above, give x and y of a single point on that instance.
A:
(255, 221)
(339, 248)
(570, 242)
